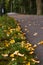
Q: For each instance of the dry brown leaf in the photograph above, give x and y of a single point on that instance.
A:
(35, 34)
(25, 29)
(41, 42)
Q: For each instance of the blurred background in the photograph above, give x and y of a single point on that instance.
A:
(21, 6)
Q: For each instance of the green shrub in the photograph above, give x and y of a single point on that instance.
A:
(14, 49)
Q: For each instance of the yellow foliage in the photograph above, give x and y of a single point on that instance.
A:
(12, 55)
(28, 63)
(12, 41)
(18, 28)
(6, 44)
(31, 52)
(8, 33)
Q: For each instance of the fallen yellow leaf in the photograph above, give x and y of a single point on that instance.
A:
(31, 52)
(28, 63)
(12, 41)
(12, 55)
(41, 42)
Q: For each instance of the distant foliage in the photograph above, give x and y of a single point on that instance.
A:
(23, 6)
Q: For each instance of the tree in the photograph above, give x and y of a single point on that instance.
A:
(23, 6)
(38, 4)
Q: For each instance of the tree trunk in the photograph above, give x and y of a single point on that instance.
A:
(30, 4)
(38, 4)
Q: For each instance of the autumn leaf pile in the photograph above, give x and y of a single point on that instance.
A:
(14, 49)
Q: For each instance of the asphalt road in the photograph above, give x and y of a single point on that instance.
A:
(32, 25)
